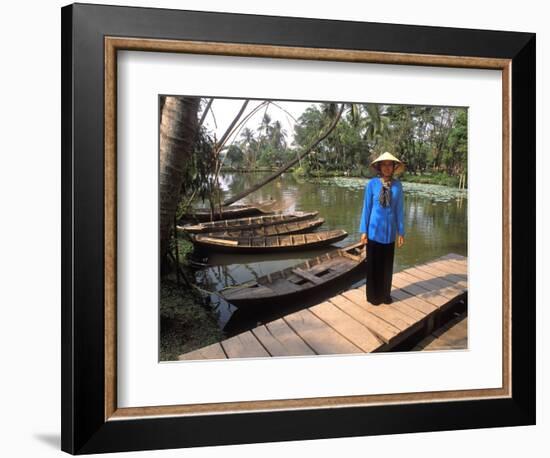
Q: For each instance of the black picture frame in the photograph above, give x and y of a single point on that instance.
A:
(84, 428)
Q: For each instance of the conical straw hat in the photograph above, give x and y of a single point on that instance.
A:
(400, 167)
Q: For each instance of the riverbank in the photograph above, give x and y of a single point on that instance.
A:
(440, 178)
(186, 320)
(433, 178)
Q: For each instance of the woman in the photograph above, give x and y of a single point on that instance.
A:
(381, 224)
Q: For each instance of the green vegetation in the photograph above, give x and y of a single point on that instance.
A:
(434, 191)
(431, 140)
(440, 178)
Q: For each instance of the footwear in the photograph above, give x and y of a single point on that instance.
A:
(375, 302)
(388, 300)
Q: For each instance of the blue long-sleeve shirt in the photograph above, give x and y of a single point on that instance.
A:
(382, 223)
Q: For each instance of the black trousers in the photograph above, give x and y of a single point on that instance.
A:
(379, 271)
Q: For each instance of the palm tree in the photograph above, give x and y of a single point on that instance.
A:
(376, 123)
(248, 144)
(178, 131)
(278, 136)
(265, 126)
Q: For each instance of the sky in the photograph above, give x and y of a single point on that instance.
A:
(225, 111)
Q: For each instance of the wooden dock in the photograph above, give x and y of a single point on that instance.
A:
(348, 323)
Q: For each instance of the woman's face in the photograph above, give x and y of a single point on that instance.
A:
(386, 168)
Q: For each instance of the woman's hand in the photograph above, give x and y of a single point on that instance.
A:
(364, 239)
(400, 241)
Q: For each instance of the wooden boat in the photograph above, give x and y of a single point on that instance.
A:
(247, 223)
(299, 281)
(231, 212)
(270, 244)
(273, 229)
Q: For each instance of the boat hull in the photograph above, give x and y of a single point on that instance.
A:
(246, 223)
(209, 243)
(249, 302)
(277, 229)
(232, 212)
(226, 214)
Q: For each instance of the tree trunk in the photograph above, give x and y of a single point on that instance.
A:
(285, 167)
(178, 129)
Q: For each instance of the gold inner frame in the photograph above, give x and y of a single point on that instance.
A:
(112, 45)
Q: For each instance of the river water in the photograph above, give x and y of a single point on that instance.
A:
(435, 225)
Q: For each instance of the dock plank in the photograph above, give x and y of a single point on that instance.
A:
(352, 329)
(459, 264)
(402, 281)
(318, 335)
(268, 341)
(435, 279)
(413, 301)
(381, 328)
(213, 351)
(280, 347)
(450, 267)
(401, 303)
(434, 269)
(244, 345)
(388, 314)
(444, 288)
(447, 291)
(291, 341)
(403, 307)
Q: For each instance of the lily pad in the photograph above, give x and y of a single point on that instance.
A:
(436, 192)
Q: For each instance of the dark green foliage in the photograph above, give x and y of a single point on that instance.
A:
(428, 139)
(235, 155)
(186, 322)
